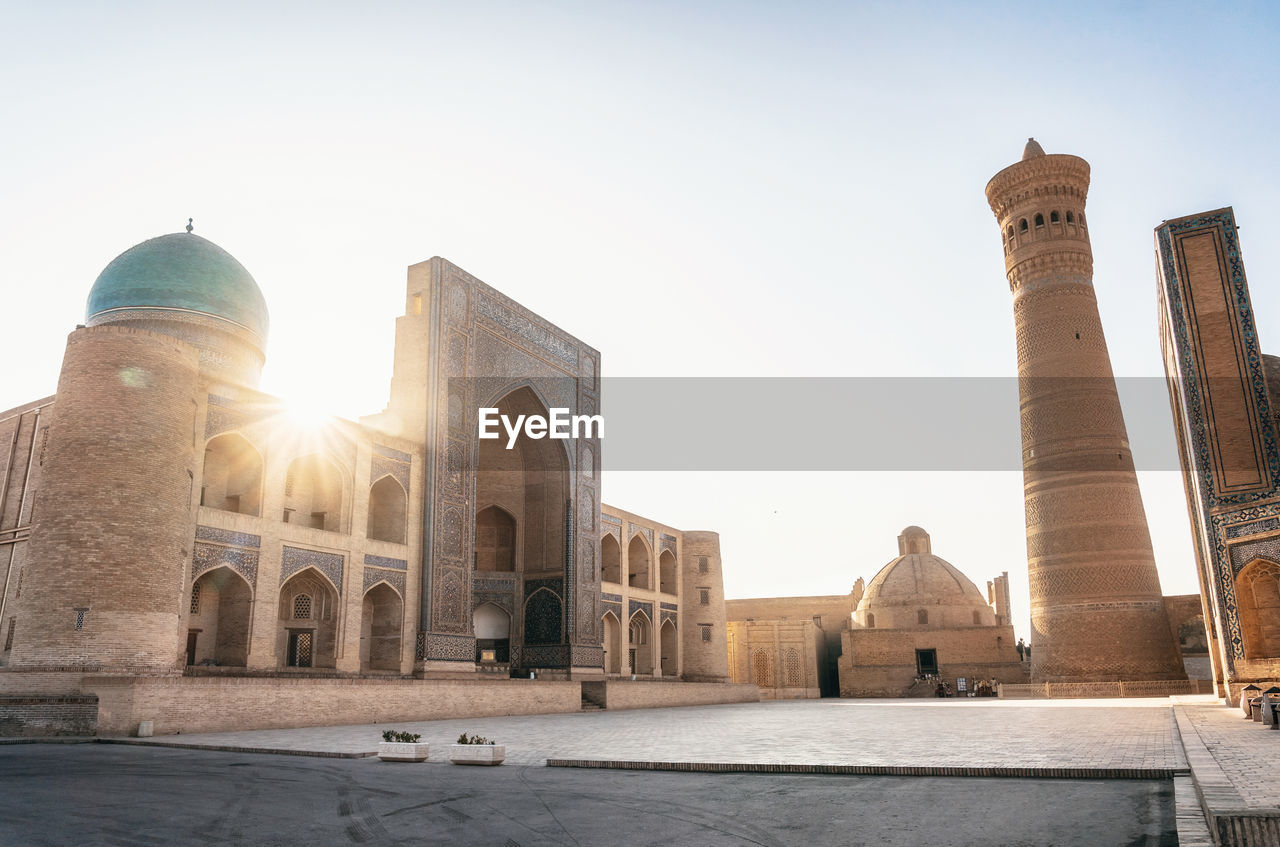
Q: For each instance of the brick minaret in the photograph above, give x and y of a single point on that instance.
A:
(1096, 609)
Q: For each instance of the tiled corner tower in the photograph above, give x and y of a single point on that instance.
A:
(1096, 607)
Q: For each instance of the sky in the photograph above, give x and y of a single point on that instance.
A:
(712, 189)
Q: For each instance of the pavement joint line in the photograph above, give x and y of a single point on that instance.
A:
(871, 770)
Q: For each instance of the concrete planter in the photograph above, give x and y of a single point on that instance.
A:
(402, 751)
(477, 754)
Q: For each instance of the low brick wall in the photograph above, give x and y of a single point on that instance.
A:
(217, 704)
(46, 716)
(1088, 690)
(651, 694)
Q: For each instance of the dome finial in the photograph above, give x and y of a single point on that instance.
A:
(190, 221)
(1032, 149)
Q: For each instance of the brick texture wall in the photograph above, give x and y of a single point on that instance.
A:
(111, 531)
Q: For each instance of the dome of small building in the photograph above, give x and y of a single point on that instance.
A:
(181, 273)
(918, 581)
(1032, 149)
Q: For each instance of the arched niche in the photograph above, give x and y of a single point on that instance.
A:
(218, 624)
(638, 563)
(388, 505)
(640, 643)
(492, 627)
(610, 559)
(668, 574)
(232, 475)
(612, 643)
(1258, 597)
(670, 651)
(495, 540)
(530, 482)
(381, 619)
(314, 493)
(308, 621)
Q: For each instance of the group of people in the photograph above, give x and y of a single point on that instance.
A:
(981, 688)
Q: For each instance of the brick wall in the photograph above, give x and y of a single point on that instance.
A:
(213, 704)
(111, 533)
(641, 694)
(834, 611)
(46, 716)
(781, 657)
(882, 662)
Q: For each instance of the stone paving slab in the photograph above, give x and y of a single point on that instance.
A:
(1095, 737)
(1232, 761)
(1240, 770)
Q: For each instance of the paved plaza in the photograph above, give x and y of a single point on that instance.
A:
(1149, 762)
(128, 796)
(1027, 736)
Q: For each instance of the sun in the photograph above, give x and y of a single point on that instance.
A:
(305, 413)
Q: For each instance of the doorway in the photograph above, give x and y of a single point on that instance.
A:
(927, 662)
(299, 648)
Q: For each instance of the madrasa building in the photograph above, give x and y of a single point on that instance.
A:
(176, 549)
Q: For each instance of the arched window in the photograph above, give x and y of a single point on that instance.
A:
(1010, 231)
(387, 503)
(922, 617)
(1039, 220)
(871, 620)
(1053, 217)
(301, 607)
(1022, 225)
(1071, 218)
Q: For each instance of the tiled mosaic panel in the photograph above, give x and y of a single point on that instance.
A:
(294, 559)
(543, 618)
(450, 648)
(208, 556)
(640, 606)
(393, 578)
(386, 562)
(647, 532)
(226, 536)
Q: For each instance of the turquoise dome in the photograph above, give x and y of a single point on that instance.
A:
(183, 272)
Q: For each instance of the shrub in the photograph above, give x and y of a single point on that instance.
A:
(474, 739)
(406, 737)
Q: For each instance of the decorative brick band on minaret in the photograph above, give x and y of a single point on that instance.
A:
(1096, 609)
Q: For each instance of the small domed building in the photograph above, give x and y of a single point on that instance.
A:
(921, 620)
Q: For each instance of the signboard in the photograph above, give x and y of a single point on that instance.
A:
(960, 684)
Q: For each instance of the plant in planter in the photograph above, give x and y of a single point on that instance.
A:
(474, 750)
(402, 747)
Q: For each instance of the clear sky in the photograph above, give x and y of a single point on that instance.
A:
(694, 188)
